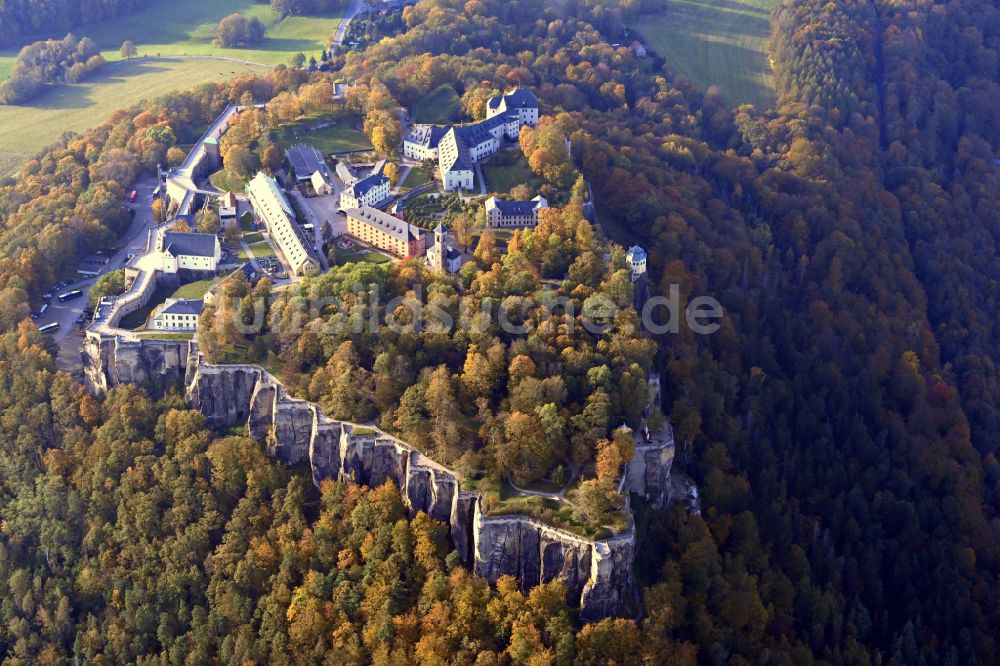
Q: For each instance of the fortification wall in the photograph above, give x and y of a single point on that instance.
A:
(597, 573)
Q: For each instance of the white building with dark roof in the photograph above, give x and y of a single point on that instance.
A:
(457, 148)
(369, 191)
(321, 186)
(635, 256)
(177, 314)
(519, 101)
(188, 251)
(508, 214)
(422, 141)
(273, 208)
(455, 164)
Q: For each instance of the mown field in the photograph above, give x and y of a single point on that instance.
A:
(721, 42)
(187, 27)
(24, 130)
(179, 28)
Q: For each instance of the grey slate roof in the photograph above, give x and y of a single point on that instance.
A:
(459, 159)
(305, 159)
(189, 244)
(515, 207)
(428, 136)
(394, 226)
(635, 253)
(363, 186)
(519, 98)
(184, 306)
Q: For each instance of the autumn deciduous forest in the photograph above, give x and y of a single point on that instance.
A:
(842, 426)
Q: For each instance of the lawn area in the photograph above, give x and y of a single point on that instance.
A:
(504, 178)
(356, 253)
(194, 289)
(166, 336)
(224, 182)
(338, 137)
(187, 27)
(25, 130)
(415, 178)
(253, 237)
(260, 250)
(440, 107)
(717, 42)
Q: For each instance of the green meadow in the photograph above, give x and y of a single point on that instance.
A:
(717, 42)
(25, 130)
(163, 34)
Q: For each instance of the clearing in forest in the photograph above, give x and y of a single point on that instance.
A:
(721, 42)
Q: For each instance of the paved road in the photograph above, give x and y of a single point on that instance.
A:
(352, 10)
(133, 241)
(319, 210)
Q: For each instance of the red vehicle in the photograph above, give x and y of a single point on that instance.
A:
(133, 196)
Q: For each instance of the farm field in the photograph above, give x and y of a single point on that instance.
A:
(24, 130)
(187, 27)
(721, 42)
(440, 107)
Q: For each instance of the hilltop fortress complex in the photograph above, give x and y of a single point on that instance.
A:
(597, 572)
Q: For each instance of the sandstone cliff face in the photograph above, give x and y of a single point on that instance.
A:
(648, 473)
(110, 360)
(597, 574)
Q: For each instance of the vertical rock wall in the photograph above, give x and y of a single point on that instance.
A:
(110, 360)
(597, 574)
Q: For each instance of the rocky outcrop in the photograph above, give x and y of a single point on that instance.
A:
(597, 573)
(110, 360)
(648, 472)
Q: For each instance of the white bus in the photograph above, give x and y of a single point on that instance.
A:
(49, 328)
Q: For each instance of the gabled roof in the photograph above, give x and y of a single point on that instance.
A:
(519, 208)
(428, 136)
(390, 224)
(264, 185)
(518, 98)
(189, 244)
(365, 185)
(182, 306)
(319, 179)
(305, 159)
(345, 173)
(457, 158)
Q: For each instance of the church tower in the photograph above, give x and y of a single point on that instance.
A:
(439, 248)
